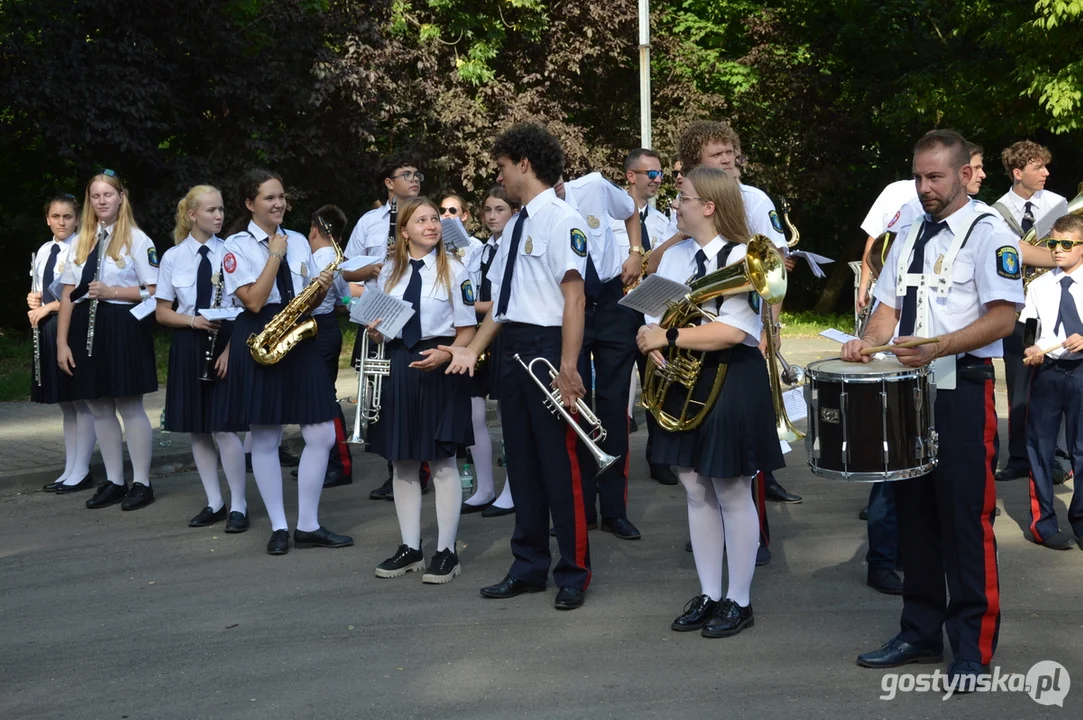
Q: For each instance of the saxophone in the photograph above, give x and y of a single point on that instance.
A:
(287, 329)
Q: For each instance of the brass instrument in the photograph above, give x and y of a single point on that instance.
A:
(791, 374)
(371, 372)
(286, 329)
(783, 427)
(878, 250)
(216, 302)
(37, 330)
(642, 271)
(795, 236)
(94, 302)
(554, 402)
(1075, 207)
(760, 271)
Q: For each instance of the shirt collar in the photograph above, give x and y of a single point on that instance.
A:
(257, 232)
(429, 259)
(193, 245)
(540, 200)
(959, 221)
(712, 248)
(1020, 202)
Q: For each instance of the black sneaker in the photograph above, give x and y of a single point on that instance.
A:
(138, 497)
(405, 560)
(384, 492)
(443, 567)
(108, 494)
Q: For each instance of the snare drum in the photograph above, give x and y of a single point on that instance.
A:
(869, 422)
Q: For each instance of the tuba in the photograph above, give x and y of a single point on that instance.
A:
(760, 271)
(287, 329)
(1075, 207)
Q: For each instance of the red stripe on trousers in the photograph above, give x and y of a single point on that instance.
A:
(992, 584)
(342, 448)
(570, 440)
(761, 503)
(1035, 509)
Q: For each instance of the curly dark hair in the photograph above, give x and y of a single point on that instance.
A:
(537, 145)
(696, 137)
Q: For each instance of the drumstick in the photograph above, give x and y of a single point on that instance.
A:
(908, 344)
(1042, 353)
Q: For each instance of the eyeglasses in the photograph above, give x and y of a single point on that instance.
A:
(681, 197)
(652, 174)
(450, 210)
(410, 176)
(1065, 245)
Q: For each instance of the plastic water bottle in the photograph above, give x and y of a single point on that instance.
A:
(466, 477)
(164, 438)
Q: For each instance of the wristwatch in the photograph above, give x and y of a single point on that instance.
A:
(278, 254)
(635, 249)
(671, 336)
(143, 293)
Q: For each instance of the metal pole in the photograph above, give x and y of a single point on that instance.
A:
(645, 73)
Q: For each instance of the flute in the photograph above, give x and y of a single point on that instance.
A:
(37, 330)
(94, 302)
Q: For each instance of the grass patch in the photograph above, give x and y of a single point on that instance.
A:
(810, 324)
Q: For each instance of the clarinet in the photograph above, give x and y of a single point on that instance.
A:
(94, 302)
(208, 357)
(37, 330)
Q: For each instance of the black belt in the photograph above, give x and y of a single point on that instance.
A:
(974, 369)
(1064, 365)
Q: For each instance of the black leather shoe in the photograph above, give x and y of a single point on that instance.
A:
(864, 513)
(963, 676)
(896, 653)
(207, 517)
(509, 587)
(286, 458)
(1059, 541)
(777, 493)
(763, 556)
(620, 527)
(139, 496)
(1061, 476)
(663, 475)
(728, 619)
(320, 538)
(494, 511)
(85, 484)
(51, 487)
(334, 478)
(569, 598)
(108, 494)
(279, 544)
(696, 613)
(468, 509)
(237, 522)
(884, 580)
(384, 492)
(1012, 472)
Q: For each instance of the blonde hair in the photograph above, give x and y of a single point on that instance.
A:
(120, 241)
(724, 191)
(400, 254)
(188, 203)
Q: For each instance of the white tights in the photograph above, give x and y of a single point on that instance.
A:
(206, 457)
(482, 453)
(79, 441)
(267, 468)
(136, 430)
(407, 484)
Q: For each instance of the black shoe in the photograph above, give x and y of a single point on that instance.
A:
(763, 556)
(279, 544)
(1059, 541)
(468, 509)
(620, 527)
(334, 478)
(696, 613)
(1012, 472)
(996, 511)
(108, 494)
(237, 522)
(884, 580)
(663, 475)
(384, 492)
(405, 560)
(896, 653)
(509, 587)
(494, 511)
(207, 517)
(590, 526)
(51, 487)
(320, 538)
(569, 598)
(286, 458)
(1079, 541)
(963, 676)
(293, 473)
(1061, 476)
(728, 619)
(443, 568)
(688, 546)
(777, 493)
(139, 496)
(864, 514)
(85, 484)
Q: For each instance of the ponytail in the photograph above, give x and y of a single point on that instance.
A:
(188, 203)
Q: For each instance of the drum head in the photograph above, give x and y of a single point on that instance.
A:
(877, 369)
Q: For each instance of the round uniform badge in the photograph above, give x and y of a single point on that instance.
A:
(898, 214)
(467, 289)
(579, 242)
(304, 271)
(229, 262)
(152, 256)
(121, 264)
(216, 278)
(59, 268)
(529, 244)
(594, 222)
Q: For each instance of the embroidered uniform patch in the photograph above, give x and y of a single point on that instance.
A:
(579, 242)
(898, 214)
(754, 301)
(776, 223)
(467, 288)
(152, 256)
(1008, 263)
(229, 262)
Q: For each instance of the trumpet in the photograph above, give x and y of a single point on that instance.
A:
(94, 302)
(37, 330)
(555, 403)
(371, 372)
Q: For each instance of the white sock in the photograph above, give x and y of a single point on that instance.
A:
(86, 440)
(406, 481)
(71, 439)
(206, 458)
(231, 451)
(138, 436)
(319, 439)
(268, 471)
(504, 502)
(449, 497)
(705, 529)
(107, 431)
(632, 389)
(742, 528)
(482, 452)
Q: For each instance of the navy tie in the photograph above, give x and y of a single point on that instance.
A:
(203, 280)
(645, 237)
(509, 268)
(917, 265)
(701, 264)
(87, 277)
(283, 281)
(411, 331)
(1028, 216)
(1068, 315)
(485, 293)
(47, 278)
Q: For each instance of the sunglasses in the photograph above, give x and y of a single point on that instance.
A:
(450, 210)
(652, 174)
(1065, 245)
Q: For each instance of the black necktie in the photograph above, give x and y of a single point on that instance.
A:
(645, 238)
(917, 265)
(509, 268)
(701, 264)
(283, 281)
(1068, 315)
(1028, 216)
(485, 294)
(87, 277)
(203, 280)
(47, 278)
(411, 331)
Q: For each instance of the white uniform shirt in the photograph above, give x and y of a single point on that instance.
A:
(485, 254)
(985, 270)
(138, 266)
(180, 266)
(1043, 302)
(679, 263)
(42, 258)
(553, 243)
(369, 236)
(886, 212)
(600, 202)
(760, 215)
(441, 313)
(339, 287)
(657, 229)
(247, 255)
(1041, 202)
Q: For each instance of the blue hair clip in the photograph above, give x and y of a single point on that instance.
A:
(110, 173)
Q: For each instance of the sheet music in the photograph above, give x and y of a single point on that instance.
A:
(837, 335)
(358, 262)
(785, 446)
(229, 313)
(1045, 226)
(374, 305)
(794, 402)
(144, 308)
(455, 235)
(654, 295)
(814, 261)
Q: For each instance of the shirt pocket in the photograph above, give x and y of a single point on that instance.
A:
(184, 279)
(534, 247)
(961, 297)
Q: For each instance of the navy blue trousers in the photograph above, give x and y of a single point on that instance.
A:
(1017, 377)
(883, 526)
(1056, 401)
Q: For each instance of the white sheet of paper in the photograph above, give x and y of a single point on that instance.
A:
(455, 235)
(785, 446)
(837, 335)
(654, 295)
(794, 401)
(1045, 226)
(374, 305)
(57, 288)
(229, 313)
(144, 308)
(814, 261)
(358, 262)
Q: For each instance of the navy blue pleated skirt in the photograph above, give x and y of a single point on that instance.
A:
(486, 380)
(294, 391)
(738, 436)
(425, 415)
(122, 364)
(188, 399)
(52, 389)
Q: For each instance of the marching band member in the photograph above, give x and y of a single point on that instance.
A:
(107, 353)
(962, 286)
(62, 217)
(539, 310)
(190, 276)
(426, 413)
(265, 267)
(716, 461)
(454, 206)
